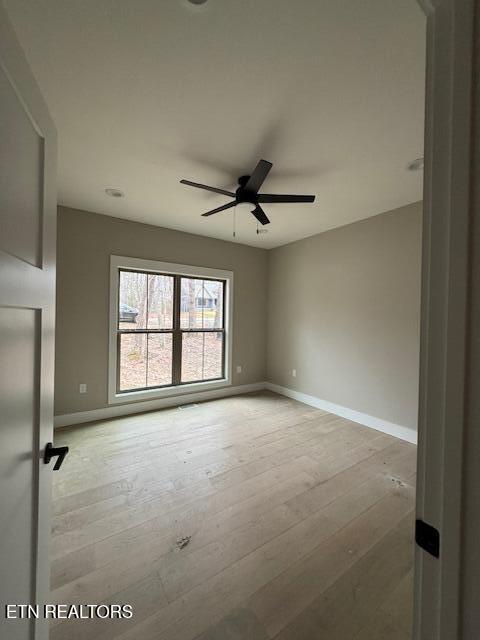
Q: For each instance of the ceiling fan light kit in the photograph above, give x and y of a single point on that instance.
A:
(248, 192)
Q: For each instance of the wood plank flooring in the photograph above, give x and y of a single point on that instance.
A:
(299, 525)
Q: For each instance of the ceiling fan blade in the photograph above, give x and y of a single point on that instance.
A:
(283, 197)
(222, 208)
(207, 188)
(260, 215)
(258, 176)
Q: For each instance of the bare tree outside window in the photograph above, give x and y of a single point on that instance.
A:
(155, 322)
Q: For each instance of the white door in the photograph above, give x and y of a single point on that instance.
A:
(27, 314)
(445, 428)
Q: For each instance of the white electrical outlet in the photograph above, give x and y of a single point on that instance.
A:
(294, 373)
(239, 368)
(82, 388)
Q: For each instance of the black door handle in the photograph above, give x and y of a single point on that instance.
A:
(51, 452)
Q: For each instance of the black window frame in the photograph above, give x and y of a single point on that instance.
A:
(176, 331)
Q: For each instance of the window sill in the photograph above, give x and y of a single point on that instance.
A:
(168, 392)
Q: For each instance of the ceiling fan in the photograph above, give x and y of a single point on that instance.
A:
(248, 192)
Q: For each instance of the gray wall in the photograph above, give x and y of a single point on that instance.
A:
(85, 243)
(343, 308)
(344, 311)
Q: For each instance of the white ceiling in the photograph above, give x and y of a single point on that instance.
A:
(144, 93)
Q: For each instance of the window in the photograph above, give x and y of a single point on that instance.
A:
(169, 327)
(145, 330)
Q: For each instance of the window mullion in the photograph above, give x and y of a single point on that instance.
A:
(177, 334)
(146, 332)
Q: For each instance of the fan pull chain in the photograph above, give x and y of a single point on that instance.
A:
(257, 229)
(234, 220)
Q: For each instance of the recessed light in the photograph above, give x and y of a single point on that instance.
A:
(197, 1)
(415, 165)
(114, 193)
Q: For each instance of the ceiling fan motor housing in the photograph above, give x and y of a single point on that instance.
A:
(243, 195)
(242, 181)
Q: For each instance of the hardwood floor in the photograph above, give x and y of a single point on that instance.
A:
(295, 524)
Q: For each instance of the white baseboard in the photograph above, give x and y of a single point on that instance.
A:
(392, 429)
(70, 419)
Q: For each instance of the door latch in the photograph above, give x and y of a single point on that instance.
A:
(52, 452)
(428, 538)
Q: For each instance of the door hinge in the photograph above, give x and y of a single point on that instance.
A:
(427, 537)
